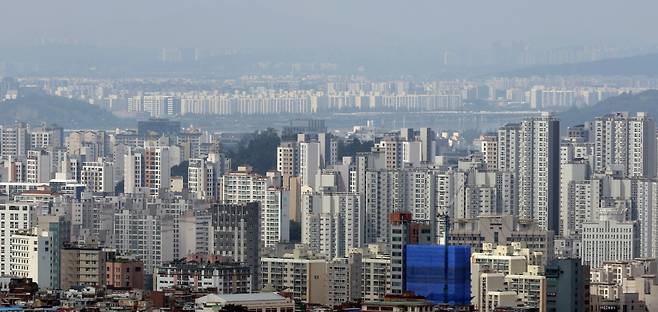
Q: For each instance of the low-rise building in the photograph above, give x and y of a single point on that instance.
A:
(218, 277)
(375, 274)
(501, 230)
(399, 303)
(312, 278)
(124, 272)
(299, 273)
(83, 266)
(508, 277)
(256, 302)
(625, 284)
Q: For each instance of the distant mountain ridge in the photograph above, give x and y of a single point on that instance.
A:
(641, 65)
(69, 113)
(632, 103)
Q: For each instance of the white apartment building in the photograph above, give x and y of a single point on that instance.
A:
(202, 178)
(149, 238)
(615, 281)
(215, 104)
(625, 143)
(344, 282)
(544, 98)
(504, 275)
(133, 171)
(305, 277)
(382, 196)
(444, 189)
(244, 186)
(392, 149)
(420, 197)
(309, 162)
(610, 238)
(424, 192)
(497, 299)
(14, 217)
(375, 276)
(302, 102)
(45, 137)
(489, 150)
(287, 159)
(314, 280)
(39, 139)
(328, 149)
(154, 104)
(38, 167)
(412, 153)
(285, 102)
(646, 205)
(575, 198)
(642, 146)
(32, 256)
(98, 176)
(332, 223)
(508, 164)
(14, 141)
(157, 168)
(428, 150)
(539, 171)
(275, 217)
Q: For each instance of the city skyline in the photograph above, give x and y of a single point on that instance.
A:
(520, 202)
(314, 156)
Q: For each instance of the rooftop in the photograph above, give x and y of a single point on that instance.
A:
(251, 297)
(398, 303)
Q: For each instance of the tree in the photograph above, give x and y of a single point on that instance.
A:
(180, 170)
(295, 231)
(352, 147)
(259, 151)
(119, 188)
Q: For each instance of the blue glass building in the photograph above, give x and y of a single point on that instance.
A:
(440, 274)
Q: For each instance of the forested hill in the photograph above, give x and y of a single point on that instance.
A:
(72, 114)
(641, 65)
(646, 101)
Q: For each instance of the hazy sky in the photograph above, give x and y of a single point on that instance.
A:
(335, 24)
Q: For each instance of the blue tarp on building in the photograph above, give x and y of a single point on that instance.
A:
(440, 274)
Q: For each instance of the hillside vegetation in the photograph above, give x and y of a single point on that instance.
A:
(58, 110)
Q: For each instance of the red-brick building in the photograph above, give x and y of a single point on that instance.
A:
(124, 272)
